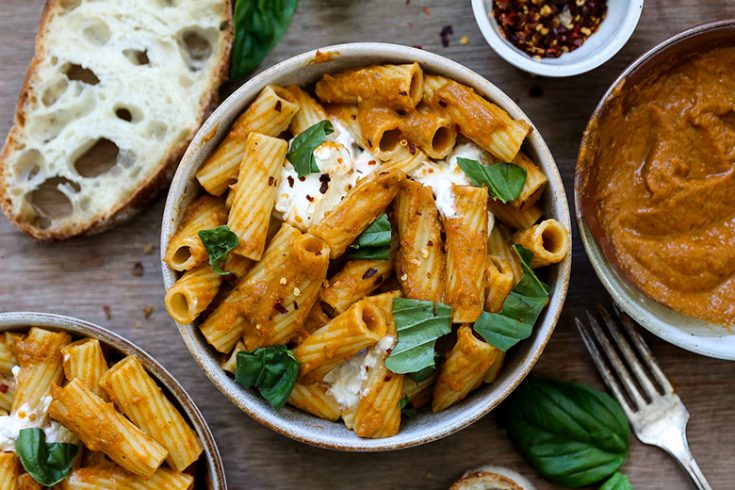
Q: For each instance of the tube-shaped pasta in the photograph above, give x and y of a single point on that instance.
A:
(549, 241)
(41, 366)
(361, 326)
(9, 469)
(463, 370)
(224, 327)
(7, 359)
(518, 219)
(378, 413)
(310, 111)
(254, 200)
(269, 114)
(102, 428)
(398, 87)
(192, 293)
(7, 393)
(238, 265)
(420, 261)
(430, 130)
(315, 320)
(362, 204)
(114, 478)
(418, 393)
(380, 127)
(384, 301)
(534, 185)
(467, 253)
(492, 373)
(139, 397)
(26, 482)
(357, 279)
(186, 250)
(85, 360)
(406, 159)
(500, 282)
(346, 114)
(230, 363)
(497, 246)
(478, 119)
(314, 399)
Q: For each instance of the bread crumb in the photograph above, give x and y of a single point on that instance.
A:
(464, 40)
(148, 311)
(148, 248)
(108, 311)
(138, 270)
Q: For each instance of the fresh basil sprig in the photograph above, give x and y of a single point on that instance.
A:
(374, 242)
(407, 410)
(48, 464)
(505, 181)
(272, 370)
(617, 482)
(520, 310)
(301, 153)
(419, 324)
(258, 25)
(218, 242)
(572, 434)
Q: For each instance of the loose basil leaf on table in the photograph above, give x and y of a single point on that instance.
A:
(47, 463)
(504, 180)
(272, 370)
(374, 242)
(572, 434)
(617, 482)
(218, 242)
(258, 26)
(419, 324)
(515, 321)
(301, 153)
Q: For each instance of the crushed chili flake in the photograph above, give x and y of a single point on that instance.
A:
(302, 179)
(442, 103)
(278, 106)
(278, 306)
(369, 273)
(290, 181)
(412, 148)
(4, 388)
(324, 179)
(271, 179)
(309, 198)
(444, 35)
(548, 28)
(372, 162)
(430, 243)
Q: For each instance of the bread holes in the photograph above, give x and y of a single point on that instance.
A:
(50, 200)
(157, 130)
(128, 113)
(75, 72)
(124, 114)
(54, 92)
(97, 33)
(97, 159)
(28, 164)
(196, 48)
(138, 57)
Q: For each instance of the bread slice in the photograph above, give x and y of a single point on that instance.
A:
(112, 97)
(492, 478)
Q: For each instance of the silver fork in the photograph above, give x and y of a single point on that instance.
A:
(656, 413)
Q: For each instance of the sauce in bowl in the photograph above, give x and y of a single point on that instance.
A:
(659, 184)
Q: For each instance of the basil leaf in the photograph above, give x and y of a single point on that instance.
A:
(374, 242)
(573, 435)
(48, 464)
(301, 153)
(504, 180)
(515, 321)
(272, 370)
(258, 26)
(617, 482)
(218, 243)
(406, 409)
(418, 324)
(425, 373)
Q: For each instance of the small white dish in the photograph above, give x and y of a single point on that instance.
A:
(612, 34)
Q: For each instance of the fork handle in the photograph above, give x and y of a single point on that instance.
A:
(679, 449)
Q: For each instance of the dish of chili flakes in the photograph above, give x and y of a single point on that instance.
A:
(548, 28)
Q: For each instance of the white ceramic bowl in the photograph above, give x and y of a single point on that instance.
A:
(612, 34)
(684, 331)
(304, 70)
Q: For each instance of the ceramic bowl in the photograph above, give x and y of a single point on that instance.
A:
(306, 69)
(612, 34)
(210, 463)
(684, 331)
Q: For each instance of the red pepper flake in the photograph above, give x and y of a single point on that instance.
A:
(387, 378)
(412, 148)
(354, 117)
(444, 35)
(137, 270)
(271, 179)
(295, 305)
(4, 388)
(290, 181)
(324, 179)
(278, 106)
(403, 93)
(388, 351)
(317, 252)
(429, 243)
(442, 103)
(372, 162)
(369, 273)
(278, 306)
(302, 179)
(108, 311)
(309, 198)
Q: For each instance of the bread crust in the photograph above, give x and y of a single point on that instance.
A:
(486, 478)
(158, 178)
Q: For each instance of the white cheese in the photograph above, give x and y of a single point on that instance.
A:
(26, 417)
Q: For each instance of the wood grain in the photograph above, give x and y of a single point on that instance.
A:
(80, 276)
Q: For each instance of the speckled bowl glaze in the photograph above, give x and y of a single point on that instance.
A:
(684, 331)
(211, 462)
(304, 70)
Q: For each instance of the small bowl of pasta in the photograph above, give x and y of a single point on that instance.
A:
(366, 247)
(83, 408)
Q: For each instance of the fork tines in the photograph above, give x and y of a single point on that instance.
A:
(632, 374)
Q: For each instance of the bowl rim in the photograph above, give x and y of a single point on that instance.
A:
(233, 106)
(646, 311)
(520, 60)
(26, 319)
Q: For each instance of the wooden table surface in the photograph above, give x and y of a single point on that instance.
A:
(84, 277)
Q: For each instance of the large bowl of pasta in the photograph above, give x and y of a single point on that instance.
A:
(366, 247)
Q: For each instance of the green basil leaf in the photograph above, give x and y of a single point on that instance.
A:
(218, 243)
(48, 464)
(374, 242)
(617, 482)
(272, 370)
(258, 26)
(515, 321)
(301, 153)
(425, 373)
(504, 180)
(418, 324)
(572, 434)
(406, 409)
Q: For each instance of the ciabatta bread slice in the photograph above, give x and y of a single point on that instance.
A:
(492, 478)
(112, 97)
